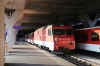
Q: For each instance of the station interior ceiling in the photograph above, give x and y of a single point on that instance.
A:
(47, 12)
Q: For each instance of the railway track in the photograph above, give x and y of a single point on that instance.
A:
(88, 53)
(89, 59)
(88, 56)
(77, 60)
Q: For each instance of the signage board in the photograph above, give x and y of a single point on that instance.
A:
(17, 27)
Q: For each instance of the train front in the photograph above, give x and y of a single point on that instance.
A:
(63, 39)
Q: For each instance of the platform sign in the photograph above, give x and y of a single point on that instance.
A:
(17, 27)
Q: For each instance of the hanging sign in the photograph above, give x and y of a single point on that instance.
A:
(17, 27)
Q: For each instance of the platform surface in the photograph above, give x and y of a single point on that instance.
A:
(25, 54)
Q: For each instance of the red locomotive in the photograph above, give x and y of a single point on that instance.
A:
(88, 39)
(30, 37)
(55, 38)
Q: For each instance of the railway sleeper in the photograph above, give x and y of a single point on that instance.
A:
(75, 61)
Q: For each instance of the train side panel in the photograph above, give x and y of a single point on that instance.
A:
(32, 38)
(49, 38)
(88, 39)
(43, 37)
(28, 38)
(37, 39)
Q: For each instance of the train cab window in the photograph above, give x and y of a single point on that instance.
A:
(85, 37)
(49, 32)
(59, 31)
(77, 37)
(94, 36)
(69, 31)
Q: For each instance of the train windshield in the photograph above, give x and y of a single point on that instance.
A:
(69, 31)
(59, 31)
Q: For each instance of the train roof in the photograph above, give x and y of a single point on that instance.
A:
(50, 25)
(87, 28)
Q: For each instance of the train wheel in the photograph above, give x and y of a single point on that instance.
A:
(41, 47)
(51, 51)
(66, 51)
(47, 49)
(69, 53)
(37, 45)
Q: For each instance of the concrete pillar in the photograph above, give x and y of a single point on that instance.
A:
(87, 22)
(5, 1)
(2, 39)
(15, 31)
(9, 26)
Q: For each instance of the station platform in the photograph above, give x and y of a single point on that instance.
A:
(25, 54)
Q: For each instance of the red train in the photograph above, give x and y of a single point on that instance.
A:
(25, 37)
(88, 39)
(55, 38)
(29, 37)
